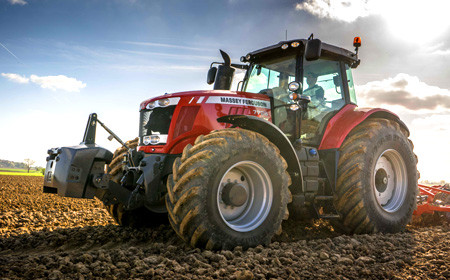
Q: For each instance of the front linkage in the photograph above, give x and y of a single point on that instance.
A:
(79, 171)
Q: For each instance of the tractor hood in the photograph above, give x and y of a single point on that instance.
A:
(171, 121)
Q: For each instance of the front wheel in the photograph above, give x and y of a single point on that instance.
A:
(377, 179)
(229, 189)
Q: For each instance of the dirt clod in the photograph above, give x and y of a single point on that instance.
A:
(51, 237)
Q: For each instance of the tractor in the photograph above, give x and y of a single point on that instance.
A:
(225, 168)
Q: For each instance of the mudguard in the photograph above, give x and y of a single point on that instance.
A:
(276, 136)
(348, 118)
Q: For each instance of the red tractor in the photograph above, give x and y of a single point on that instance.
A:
(225, 166)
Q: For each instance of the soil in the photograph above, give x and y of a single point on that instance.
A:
(50, 237)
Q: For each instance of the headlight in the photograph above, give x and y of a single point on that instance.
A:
(294, 86)
(163, 102)
(155, 139)
(295, 44)
(284, 46)
(151, 105)
(294, 107)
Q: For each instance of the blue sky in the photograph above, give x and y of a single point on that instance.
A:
(61, 60)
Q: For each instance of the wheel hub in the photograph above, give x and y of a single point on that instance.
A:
(244, 196)
(381, 180)
(390, 180)
(234, 194)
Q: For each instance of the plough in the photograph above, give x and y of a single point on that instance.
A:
(432, 199)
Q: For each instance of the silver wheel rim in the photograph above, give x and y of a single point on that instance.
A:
(256, 182)
(390, 180)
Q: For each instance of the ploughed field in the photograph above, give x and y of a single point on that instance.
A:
(46, 236)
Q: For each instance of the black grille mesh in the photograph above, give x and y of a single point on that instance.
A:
(155, 121)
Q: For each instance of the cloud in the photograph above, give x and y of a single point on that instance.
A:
(54, 83)
(18, 2)
(59, 82)
(415, 18)
(347, 11)
(16, 78)
(441, 52)
(404, 91)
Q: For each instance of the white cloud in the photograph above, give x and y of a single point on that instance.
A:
(426, 111)
(18, 2)
(347, 11)
(16, 78)
(59, 82)
(413, 20)
(441, 52)
(407, 92)
(54, 83)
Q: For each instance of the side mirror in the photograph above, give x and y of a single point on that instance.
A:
(211, 75)
(313, 49)
(258, 70)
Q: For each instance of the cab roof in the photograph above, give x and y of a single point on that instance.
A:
(327, 50)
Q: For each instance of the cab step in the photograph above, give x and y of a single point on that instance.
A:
(324, 207)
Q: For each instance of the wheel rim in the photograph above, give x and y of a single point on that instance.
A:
(390, 180)
(253, 195)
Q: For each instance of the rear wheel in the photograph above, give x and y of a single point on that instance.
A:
(229, 189)
(377, 179)
(140, 217)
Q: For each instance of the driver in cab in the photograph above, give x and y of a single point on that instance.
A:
(317, 94)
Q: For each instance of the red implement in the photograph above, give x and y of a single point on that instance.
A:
(426, 200)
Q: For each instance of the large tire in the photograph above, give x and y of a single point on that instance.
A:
(228, 160)
(377, 179)
(140, 217)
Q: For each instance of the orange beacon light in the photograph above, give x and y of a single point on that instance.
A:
(357, 42)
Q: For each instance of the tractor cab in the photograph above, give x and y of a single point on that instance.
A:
(284, 73)
(307, 81)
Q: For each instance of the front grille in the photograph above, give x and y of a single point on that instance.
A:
(155, 121)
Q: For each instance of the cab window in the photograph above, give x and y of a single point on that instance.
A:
(271, 74)
(351, 86)
(322, 80)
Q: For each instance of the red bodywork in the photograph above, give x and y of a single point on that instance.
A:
(343, 122)
(427, 205)
(197, 114)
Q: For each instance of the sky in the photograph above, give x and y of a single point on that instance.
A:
(62, 60)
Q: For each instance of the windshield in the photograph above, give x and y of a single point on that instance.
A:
(273, 74)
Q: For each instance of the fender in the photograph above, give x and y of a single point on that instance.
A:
(348, 118)
(276, 136)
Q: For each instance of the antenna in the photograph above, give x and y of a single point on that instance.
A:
(286, 34)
